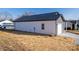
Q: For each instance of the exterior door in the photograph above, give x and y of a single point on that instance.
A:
(73, 26)
(59, 28)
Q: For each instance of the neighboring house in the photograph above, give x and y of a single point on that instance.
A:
(6, 24)
(77, 22)
(48, 23)
(71, 24)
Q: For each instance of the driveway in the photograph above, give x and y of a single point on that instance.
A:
(75, 36)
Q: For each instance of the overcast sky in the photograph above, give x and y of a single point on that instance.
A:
(69, 13)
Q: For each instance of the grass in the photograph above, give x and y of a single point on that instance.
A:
(25, 41)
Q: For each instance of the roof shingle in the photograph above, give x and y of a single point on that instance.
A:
(39, 17)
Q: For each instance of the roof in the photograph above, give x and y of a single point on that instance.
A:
(73, 21)
(6, 22)
(39, 17)
(70, 20)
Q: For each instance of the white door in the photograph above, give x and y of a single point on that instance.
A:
(59, 28)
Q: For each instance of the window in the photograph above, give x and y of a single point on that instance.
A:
(42, 26)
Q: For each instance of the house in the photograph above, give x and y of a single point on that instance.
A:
(6, 24)
(71, 24)
(48, 23)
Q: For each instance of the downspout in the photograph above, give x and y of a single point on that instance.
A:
(56, 28)
(34, 29)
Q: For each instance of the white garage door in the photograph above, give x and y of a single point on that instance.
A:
(59, 28)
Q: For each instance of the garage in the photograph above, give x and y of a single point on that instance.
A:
(48, 23)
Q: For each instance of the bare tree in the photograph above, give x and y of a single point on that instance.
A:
(25, 14)
(5, 16)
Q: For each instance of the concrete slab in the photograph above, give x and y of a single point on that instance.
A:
(75, 36)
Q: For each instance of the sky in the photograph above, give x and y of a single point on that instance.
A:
(68, 13)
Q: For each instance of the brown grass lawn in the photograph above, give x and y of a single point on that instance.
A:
(21, 41)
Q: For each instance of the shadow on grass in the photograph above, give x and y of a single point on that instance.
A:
(24, 33)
